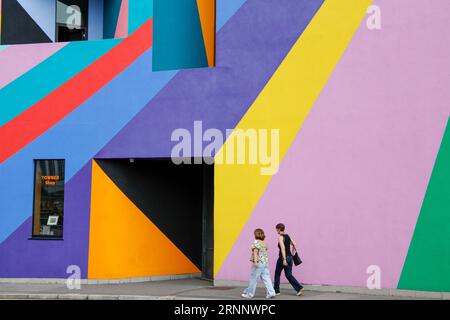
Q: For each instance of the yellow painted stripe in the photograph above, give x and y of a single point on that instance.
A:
(283, 104)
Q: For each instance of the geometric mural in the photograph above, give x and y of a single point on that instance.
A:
(295, 85)
(362, 177)
(340, 180)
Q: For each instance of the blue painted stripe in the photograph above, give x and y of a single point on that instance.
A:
(225, 9)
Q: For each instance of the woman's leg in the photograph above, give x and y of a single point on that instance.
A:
(278, 270)
(265, 277)
(254, 274)
(288, 273)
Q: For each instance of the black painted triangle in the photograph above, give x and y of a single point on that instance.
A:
(170, 195)
(18, 27)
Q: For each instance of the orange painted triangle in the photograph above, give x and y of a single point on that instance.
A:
(123, 242)
(207, 14)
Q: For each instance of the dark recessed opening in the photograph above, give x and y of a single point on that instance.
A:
(178, 199)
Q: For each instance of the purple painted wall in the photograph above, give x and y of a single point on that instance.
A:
(24, 258)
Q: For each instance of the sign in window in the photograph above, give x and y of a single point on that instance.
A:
(48, 199)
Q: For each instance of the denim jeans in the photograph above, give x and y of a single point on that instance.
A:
(260, 270)
(288, 273)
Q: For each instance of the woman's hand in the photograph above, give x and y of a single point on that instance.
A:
(255, 257)
(285, 263)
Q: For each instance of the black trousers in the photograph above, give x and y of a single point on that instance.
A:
(288, 273)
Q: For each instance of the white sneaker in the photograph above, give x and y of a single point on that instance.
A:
(246, 295)
(300, 292)
(278, 293)
(271, 297)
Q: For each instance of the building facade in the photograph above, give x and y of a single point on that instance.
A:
(119, 121)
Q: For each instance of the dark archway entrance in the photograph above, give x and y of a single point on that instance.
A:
(178, 199)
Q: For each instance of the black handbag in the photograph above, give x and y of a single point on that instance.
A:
(296, 259)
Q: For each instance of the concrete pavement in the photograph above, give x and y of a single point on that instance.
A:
(164, 290)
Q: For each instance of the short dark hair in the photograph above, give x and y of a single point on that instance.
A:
(280, 227)
(259, 234)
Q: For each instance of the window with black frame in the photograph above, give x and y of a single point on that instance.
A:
(48, 211)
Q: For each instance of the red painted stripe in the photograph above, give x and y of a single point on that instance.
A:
(40, 117)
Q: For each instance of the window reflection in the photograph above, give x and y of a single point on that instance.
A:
(49, 198)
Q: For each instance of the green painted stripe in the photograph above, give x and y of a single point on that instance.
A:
(47, 76)
(427, 264)
(3, 48)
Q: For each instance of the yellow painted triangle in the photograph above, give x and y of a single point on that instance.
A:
(207, 14)
(284, 104)
(123, 242)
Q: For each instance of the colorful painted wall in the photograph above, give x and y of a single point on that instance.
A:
(363, 141)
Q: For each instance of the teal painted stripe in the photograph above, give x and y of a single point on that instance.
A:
(40, 81)
(3, 48)
(139, 11)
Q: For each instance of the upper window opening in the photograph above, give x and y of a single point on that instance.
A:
(45, 21)
(184, 34)
(71, 20)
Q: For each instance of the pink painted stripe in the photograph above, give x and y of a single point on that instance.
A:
(122, 23)
(18, 59)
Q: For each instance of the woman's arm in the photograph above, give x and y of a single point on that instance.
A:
(255, 256)
(283, 249)
(294, 245)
